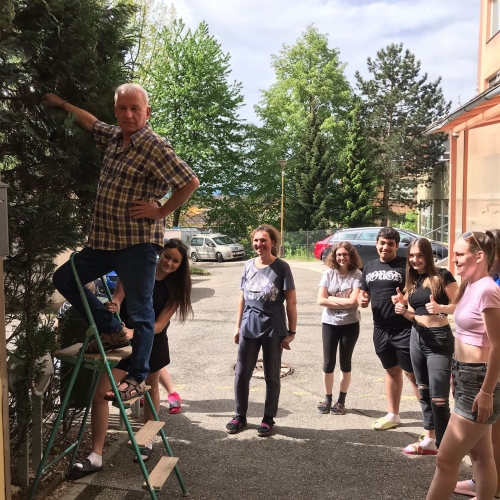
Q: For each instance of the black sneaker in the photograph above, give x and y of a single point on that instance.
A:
(324, 407)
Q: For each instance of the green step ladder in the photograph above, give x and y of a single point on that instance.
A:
(103, 363)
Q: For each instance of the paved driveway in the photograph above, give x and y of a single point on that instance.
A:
(311, 455)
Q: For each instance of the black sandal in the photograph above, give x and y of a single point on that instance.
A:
(145, 454)
(86, 468)
(134, 389)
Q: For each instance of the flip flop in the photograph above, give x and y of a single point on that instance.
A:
(417, 449)
(86, 468)
(145, 454)
(383, 424)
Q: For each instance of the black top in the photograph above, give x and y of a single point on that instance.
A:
(380, 280)
(421, 296)
(160, 354)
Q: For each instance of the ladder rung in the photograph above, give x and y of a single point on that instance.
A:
(115, 355)
(130, 402)
(161, 472)
(146, 434)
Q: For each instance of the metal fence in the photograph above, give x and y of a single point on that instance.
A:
(300, 244)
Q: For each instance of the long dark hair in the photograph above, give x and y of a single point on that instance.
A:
(179, 282)
(273, 234)
(354, 258)
(433, 280)
(487, 242)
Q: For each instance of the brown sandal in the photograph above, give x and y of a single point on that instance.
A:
(134, 389)
(109, 341)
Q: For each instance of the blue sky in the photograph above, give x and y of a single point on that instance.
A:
(442, 34)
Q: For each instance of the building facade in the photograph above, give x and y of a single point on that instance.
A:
(474, 133)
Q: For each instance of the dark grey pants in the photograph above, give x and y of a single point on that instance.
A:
(431, 351)
(248, 353)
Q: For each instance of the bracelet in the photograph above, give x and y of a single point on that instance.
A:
(62, 105)
(291, 333)
(485, 393)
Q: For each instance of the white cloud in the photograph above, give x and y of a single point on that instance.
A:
(442, 35)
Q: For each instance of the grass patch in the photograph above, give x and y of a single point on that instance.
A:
(200, 272)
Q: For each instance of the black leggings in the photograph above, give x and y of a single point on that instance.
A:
(347, 336)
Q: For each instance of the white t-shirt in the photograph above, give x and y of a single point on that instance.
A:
(340, 285)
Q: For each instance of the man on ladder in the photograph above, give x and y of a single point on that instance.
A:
(128, 225)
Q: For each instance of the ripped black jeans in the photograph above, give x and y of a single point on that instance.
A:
(431, 351)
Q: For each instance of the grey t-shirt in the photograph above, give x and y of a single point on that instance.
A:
(340, 285)
(264, 311)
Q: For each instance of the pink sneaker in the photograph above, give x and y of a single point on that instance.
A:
(174, 403)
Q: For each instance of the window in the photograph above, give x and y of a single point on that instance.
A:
(495, 16)
(348, 236)
(196, 242)
(368, 236)
(493, 81)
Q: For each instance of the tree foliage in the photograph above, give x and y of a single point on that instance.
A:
(195, 107)
(304, 120)
(399, 104)
(75, 49)
(359, 180)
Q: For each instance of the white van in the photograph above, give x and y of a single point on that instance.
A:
(215, 246)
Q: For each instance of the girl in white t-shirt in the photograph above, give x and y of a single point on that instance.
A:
(475, 370)
(338, 294)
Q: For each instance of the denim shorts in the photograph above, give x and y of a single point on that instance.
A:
(467, 380)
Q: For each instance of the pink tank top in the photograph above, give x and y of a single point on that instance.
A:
(478, 296)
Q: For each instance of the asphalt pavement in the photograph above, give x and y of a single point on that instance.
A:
(310, 455)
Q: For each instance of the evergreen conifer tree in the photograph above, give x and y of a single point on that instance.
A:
(359, 181)
(399, 104)
(77, 50)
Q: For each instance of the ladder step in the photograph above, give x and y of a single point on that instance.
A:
(161, 472)
(115, 355)
(149, 430)
(130, 402)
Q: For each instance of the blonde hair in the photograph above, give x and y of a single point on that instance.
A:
(487, 242)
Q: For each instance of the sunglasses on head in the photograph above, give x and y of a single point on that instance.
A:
(468, 234)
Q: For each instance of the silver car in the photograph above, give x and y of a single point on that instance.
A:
(215, 246)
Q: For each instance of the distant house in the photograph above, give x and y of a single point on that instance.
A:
(474, 133)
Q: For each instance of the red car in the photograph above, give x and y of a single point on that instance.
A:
(321, 248)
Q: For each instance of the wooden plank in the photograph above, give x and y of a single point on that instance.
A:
(160, 473)
(115, 355)
(147, 433)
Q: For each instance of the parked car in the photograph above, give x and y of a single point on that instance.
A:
(111, 279)
(321, 246)
(215, 246)
(364, 240)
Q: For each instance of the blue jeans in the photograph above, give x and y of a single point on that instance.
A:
(135, 266)
(431, 351)
(248, 352)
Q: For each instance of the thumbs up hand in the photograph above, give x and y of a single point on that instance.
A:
(399, 298)
(364, 299)
(433, 307)
(400, 308)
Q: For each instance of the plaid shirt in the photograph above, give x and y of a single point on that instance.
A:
(144, 170)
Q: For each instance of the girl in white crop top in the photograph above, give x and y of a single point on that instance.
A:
(476, 370)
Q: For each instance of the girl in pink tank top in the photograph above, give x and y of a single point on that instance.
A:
(476, 370)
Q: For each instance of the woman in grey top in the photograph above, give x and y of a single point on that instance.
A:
(338, 294)
(266, 284)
